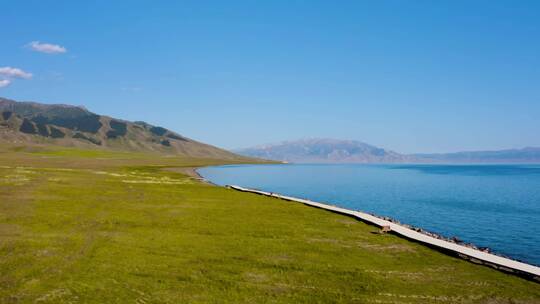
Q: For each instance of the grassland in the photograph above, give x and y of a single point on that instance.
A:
(98, 227)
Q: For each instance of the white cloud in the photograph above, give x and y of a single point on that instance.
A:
(14, 73)
(4, 83)
(47, 47)
(7, 74)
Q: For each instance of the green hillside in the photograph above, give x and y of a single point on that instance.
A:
(31, 124)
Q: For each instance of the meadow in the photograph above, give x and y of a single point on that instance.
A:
(111, 227)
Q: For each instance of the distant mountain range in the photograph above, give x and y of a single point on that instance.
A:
(350, 151)
(30, 123)
(324, 151)
(525, 155)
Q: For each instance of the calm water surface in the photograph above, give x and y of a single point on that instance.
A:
(496, 206)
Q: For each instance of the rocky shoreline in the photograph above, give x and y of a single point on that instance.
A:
(452, 239)
(452, 246)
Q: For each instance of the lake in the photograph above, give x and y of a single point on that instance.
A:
(495, 206)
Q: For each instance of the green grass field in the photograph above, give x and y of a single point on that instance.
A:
(99, 227)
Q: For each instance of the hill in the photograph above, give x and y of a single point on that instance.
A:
(350, 151)
(324, 151)
(525, 155)
(31, 123)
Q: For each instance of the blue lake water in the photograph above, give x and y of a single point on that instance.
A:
(496, 206)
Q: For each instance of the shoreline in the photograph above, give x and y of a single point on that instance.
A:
(191, 172)
(452, 247)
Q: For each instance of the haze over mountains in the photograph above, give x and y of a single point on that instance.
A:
(30, 123)
(524, 155)
(350, 151)
(320, 150)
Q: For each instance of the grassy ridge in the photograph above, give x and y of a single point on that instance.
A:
(110, 228)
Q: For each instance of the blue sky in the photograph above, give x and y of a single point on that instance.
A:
(412, 76)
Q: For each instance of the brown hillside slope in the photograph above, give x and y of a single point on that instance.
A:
(29, 123)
